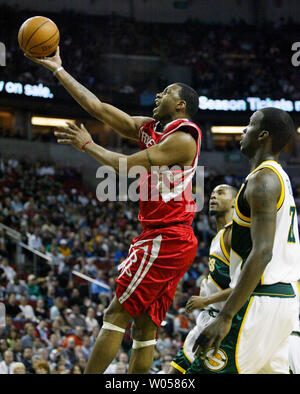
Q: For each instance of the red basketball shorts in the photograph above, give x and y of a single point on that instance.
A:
(156, 261)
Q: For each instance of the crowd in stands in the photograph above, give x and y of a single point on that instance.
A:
(227, 61)
(53, 316)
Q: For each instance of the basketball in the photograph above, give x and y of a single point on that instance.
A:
(38, 36)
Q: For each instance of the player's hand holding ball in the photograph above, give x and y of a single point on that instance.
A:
(74, 135)
(38, 38)
(51, 63)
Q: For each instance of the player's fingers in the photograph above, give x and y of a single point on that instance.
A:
(83, 127)
(217, 346)
(60, 134)
(64, 141)
(65, 129)
(199, 344)
(34, 59)
(72, 126)
(208, 345)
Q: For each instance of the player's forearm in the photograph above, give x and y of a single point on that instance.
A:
(86, 99)
(248, 280)
(104, 156)
(218, 297)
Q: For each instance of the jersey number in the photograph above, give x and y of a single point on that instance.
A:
(291, 237)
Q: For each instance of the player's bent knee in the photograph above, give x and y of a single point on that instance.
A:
(115, 314)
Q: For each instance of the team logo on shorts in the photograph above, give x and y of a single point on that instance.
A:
(217, 362)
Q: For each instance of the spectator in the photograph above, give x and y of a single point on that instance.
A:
(33, 288)
(97, 290)
(163, 341)
(165, 367)
(70, 350)
(27, 310)
(12, 337)
(121, 252)
(76, 370)
(76, 318)
(64, 248)
(8, 364)
(19, 369)
(12, 309)
(42, 368)
(75, 298)
(42, 331)
(61, 369)
(27, 359)
(40, 311)
(17, 287)
(28, 338)
(182, 323)
(77, 335)
(57, 308)
(90, 320)
(86, 347)
(9, 272)
(90, 268)
(16, 204)
(56, 328)
(34, 240)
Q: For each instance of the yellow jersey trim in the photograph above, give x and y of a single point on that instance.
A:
(239, 335)
(298, 286)
(220, 258)
(215, 282)
(282, 194)
(239, 213)
(261, 164)
(184, 352)
(178, 367)
(223, 246)
(242, 224)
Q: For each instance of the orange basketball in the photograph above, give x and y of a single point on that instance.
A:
(38, 36)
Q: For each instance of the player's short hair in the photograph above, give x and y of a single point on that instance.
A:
(280, 125)
(234, 191)
(191, 97)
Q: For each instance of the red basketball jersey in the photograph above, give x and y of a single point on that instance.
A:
(166, 193)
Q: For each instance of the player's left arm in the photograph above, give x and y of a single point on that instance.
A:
(177, 149)
(200, 302)
(262, 194)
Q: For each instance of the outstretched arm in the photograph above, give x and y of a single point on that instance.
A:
(262, 194)
(177, 149)
(127, 126)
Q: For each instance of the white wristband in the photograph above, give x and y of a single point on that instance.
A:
(57, 70)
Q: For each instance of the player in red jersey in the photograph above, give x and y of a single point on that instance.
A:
(160, 256)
